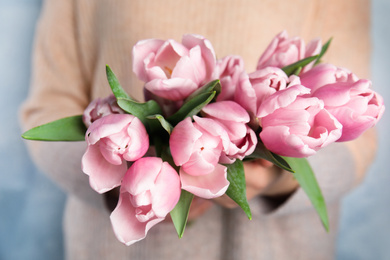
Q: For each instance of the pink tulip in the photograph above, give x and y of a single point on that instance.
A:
(295, 125)
(266, 82)
(234, 119)
(350, 99)
(172, 70)
(228, 71)
(112, 140)
(254, 88)
(197, 148)
(150, 190)
(283, 51)
(245, 95)
(324, 74)
(355, 105)
(99, 108)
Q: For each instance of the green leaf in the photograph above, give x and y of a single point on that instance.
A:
(128, 104)
(237, 186)
(192, 107)
(164, 123)
(262, 152)
(214, 85)
(180, 213)
(307, 180)
(65, 129)
(297, 71)
(116, 88)
(323, 51)
(196, 101)
(140, 110)
(290, 69)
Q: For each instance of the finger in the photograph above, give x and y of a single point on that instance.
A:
(198, 207)
(259, 177)
(252, 192)
(225, 201)
(264, 163)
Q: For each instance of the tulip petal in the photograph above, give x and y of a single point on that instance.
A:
(169, 54)
(128, 229)
(353, 124)
(139, 143)
(245, 95)
(281, 99)
(279, 140)
(142, 175)
(191, 67)
(295, 120)
(103, 176)
(208, 54)
(107, 126)
(182, 140)
(214, 129)
(174, 89)
(109, 154)
(337, 94)
(228, 71)
(269, 51)
(140, 52)
(202, 162)
(207, 186)
(168, 184)
(312, 48)
(227, 110)
(156, 72)
(282, 51)
(324, 119)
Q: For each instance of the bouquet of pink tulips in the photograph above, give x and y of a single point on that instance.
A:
(203, 117)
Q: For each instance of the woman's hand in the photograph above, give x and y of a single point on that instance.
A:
(262, 178)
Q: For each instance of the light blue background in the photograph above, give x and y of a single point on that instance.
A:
(31, 206)
(365, 223)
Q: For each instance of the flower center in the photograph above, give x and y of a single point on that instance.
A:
(168, 71)
(144, 213)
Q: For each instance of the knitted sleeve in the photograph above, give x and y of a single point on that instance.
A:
(58, 89)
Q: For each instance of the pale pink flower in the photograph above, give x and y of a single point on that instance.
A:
(197, 147)
(149, 191)
(350, 99)
(295, 125)
(252, 89)
(324, 74)
(99, 108)
(283, 51)
(355, 105)
(267, 81)
(245, 95)
(234, 119)
(112, 140)
(174, 70)
(228, 70)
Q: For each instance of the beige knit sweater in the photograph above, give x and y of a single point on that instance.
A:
(74, 41)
